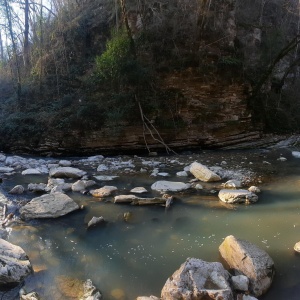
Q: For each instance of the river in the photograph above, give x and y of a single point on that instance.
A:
(134, 258)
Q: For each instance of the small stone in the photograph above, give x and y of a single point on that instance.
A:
(297, 247)
(240, 283)
(31, 172)
(198, 186)
(182, 174)
(64, 163)
(254, 189)
(138, 190)
(18, 189)
(103, 192)
(96, 221)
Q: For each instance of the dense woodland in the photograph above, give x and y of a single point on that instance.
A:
(85, 64)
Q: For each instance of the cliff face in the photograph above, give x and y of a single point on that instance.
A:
(212, 99)
(214, 114)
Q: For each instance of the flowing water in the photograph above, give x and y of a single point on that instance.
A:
(129, 259)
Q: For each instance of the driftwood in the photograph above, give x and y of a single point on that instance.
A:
(134, 200)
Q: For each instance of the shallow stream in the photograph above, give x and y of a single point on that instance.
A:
(129, 259)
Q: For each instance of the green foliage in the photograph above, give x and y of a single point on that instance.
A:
(111, 62)
(230, 61)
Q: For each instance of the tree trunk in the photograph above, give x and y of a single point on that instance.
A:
(26, 35)
(14, 48)
(1, 48)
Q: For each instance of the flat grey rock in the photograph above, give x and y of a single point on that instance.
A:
(48, 206)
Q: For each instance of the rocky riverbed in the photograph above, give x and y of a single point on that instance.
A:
(85, 199)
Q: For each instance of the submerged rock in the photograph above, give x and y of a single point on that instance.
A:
(247, 259)
(202, 173)
(147, 298)
(66, 172)
(30, 296)
(105, 177)
(15, 265)
(237, 196)
(169, 186)
(95, 221)
(48, 206)
(198, 279)
(90, 292)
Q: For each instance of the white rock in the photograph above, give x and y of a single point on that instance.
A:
(164, 186)
(240, 283)
(2, 157)
(65, 163)
(38, 187)
(254, 189)
(48, 206)
(68, 172)
(198, 186)
(232, 184)
(30, 296)
(6, 169)
(90, 292)
(249, 260)
(105, 177)
(297, 247)
(15, 266)
(182, 174)
(50, 166)
(190, 281)
(163, 174)
(187, 168)
(18, 189)
(147, 298)
(138, 190)
(105, 191)
(202, 173)
(281, 158)
(296, 154)
(31, 172)
(237, 196)
(102, 168)
(81, 185)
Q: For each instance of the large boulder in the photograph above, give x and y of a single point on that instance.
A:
(15, 265)
(197, 279)
(48, 206)
(237, 196)
(202, 173)
(247, 259)
(169, 186)
(66, 172)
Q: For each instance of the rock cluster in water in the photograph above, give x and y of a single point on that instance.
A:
(71, 176)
